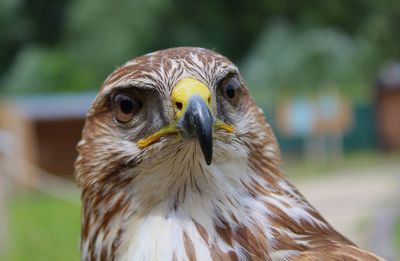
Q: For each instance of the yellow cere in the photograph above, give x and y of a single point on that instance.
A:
(185, 89)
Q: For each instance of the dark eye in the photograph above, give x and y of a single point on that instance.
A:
(125, 107)
(231, 88)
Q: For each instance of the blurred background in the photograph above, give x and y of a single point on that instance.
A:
(326, 73)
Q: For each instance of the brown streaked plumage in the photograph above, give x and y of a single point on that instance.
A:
(148, 192)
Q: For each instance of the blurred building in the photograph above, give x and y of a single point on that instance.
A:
(388, 106)
(44, 130)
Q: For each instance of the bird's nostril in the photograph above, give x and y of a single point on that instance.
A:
(178, 105)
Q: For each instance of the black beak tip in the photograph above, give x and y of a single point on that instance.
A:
(208, 159)
(206, 146)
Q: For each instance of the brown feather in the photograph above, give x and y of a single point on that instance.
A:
(120, 190)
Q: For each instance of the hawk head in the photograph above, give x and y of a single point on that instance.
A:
(166, 119)
(176, 162)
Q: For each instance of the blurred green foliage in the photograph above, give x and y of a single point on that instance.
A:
(288, 62)
(286, 46)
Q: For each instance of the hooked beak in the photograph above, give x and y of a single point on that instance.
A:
(192, 101)
(197, 121)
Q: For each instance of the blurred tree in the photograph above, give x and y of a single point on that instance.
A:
(101, 35)
(39, 69)
(11, 40)
(80, 42)
(289, 61)
(380, 28)
(46, 20)
(229, 27)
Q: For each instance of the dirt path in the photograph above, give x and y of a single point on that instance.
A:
(352, 200)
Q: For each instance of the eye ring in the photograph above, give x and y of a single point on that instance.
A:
(125, 106)
(231, 88)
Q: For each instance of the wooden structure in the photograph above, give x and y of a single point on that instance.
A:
(388, 107)
(45, 130)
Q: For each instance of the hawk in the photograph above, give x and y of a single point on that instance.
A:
(177, 162)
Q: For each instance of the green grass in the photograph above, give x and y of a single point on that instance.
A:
(42, 228)
(397, 237)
